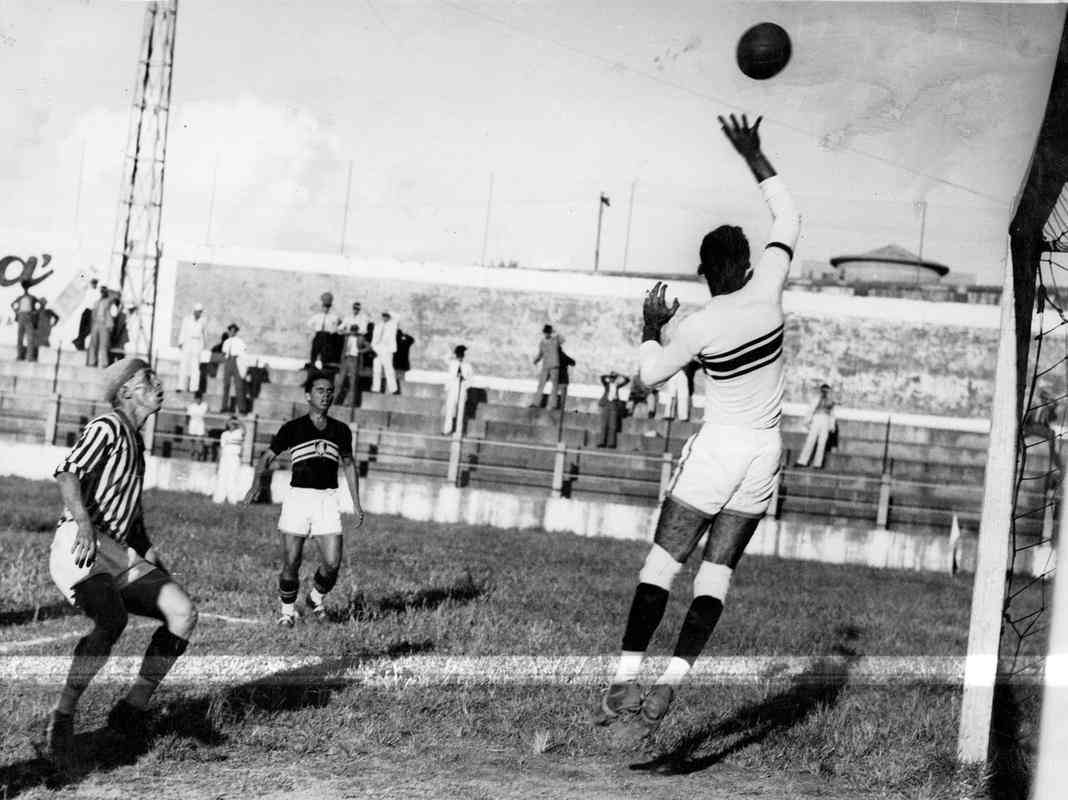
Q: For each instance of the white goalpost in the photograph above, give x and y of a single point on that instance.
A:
(988, 592)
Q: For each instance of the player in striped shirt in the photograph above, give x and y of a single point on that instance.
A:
(318, 444)
(101, 558)
(728, 470)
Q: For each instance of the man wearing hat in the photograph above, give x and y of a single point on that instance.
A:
(191, 340)
(325, 326)
(101, 558)
(457, 381)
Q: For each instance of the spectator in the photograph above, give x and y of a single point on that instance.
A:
(1039, 421)
(235, 366)
(458, 376)
(550, 357)
(821, 422)
(642, 399)
(120, 332)
(196, 411)
(192, 339)
(355, 330)
(46, 321)
(228, 488)
(402, 358)
(210, 368)
(384, 345)
(24, 307)
(324, 326)
(611, 408)
(85, 320)
(676, 393)
(99, 348)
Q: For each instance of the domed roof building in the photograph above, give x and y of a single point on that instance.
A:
(890, 264)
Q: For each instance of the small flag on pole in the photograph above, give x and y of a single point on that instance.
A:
(954, 541)
(605, 200)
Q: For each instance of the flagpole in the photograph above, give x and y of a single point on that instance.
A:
(602, 201)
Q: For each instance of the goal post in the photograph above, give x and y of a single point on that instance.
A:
(992, 557)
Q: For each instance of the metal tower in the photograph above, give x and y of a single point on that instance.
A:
(137, 248)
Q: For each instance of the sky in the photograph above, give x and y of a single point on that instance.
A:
(462, 131)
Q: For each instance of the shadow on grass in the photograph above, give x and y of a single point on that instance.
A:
(1013, 739)
(462, 590)
(818, 687)
(22, 616)
(200, 718)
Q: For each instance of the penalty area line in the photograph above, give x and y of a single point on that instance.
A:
(428, 670)
(11, 647)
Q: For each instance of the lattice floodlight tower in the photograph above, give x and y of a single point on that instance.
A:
(137, 248)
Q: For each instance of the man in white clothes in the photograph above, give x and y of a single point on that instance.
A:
(821, 421)
(231, 443)
(384, 345)
(191, 340)
(235, 367)
(355, 330)
(324, 326)
(728, 470)
(196, 412)
(458, 375)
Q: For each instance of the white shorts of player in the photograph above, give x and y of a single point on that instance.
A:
(112, 558)
(310, 512)
(723, 468)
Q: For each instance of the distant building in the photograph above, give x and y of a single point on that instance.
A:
(890, 264)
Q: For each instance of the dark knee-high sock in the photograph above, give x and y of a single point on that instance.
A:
(646, 611)
(287, 589)
(163, 650)
(701, 619)
(90, 655)
(324, 580)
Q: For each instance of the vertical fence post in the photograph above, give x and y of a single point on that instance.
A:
(882, 515)
(52, 420)
(666, 464)
(558, 469)
(248, 448)
(456, 447)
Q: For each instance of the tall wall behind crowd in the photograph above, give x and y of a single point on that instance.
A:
(904, 356)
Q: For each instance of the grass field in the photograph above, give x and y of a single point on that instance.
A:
(417, 594)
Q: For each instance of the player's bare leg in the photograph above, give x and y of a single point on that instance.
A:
(677, 532)
(727, 540)
(326, 575)
(289, 578)
(157, 596)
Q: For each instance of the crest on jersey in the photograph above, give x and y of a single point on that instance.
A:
(320, 447)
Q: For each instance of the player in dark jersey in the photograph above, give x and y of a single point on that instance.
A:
(102, 560)
(317, 444)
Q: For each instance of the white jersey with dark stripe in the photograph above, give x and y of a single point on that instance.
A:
(109, 462)
(315, 454)
(737, 338)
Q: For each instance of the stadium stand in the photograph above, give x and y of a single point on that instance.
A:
(927, 474)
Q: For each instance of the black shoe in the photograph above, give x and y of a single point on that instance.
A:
(128, 720)
(618, 700)
(640, 728)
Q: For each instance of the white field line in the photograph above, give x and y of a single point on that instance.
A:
(423, 670)
(11, 647)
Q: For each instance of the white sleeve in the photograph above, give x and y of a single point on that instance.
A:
(785, 229)
(657, 362)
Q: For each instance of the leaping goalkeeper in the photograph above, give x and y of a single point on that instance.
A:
(727, 471)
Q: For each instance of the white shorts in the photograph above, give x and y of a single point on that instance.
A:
(112, 558)
(310, 512)
(728, 469)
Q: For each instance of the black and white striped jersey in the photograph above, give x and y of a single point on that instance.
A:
(109, 462)
(737, 338)
(315, 453)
